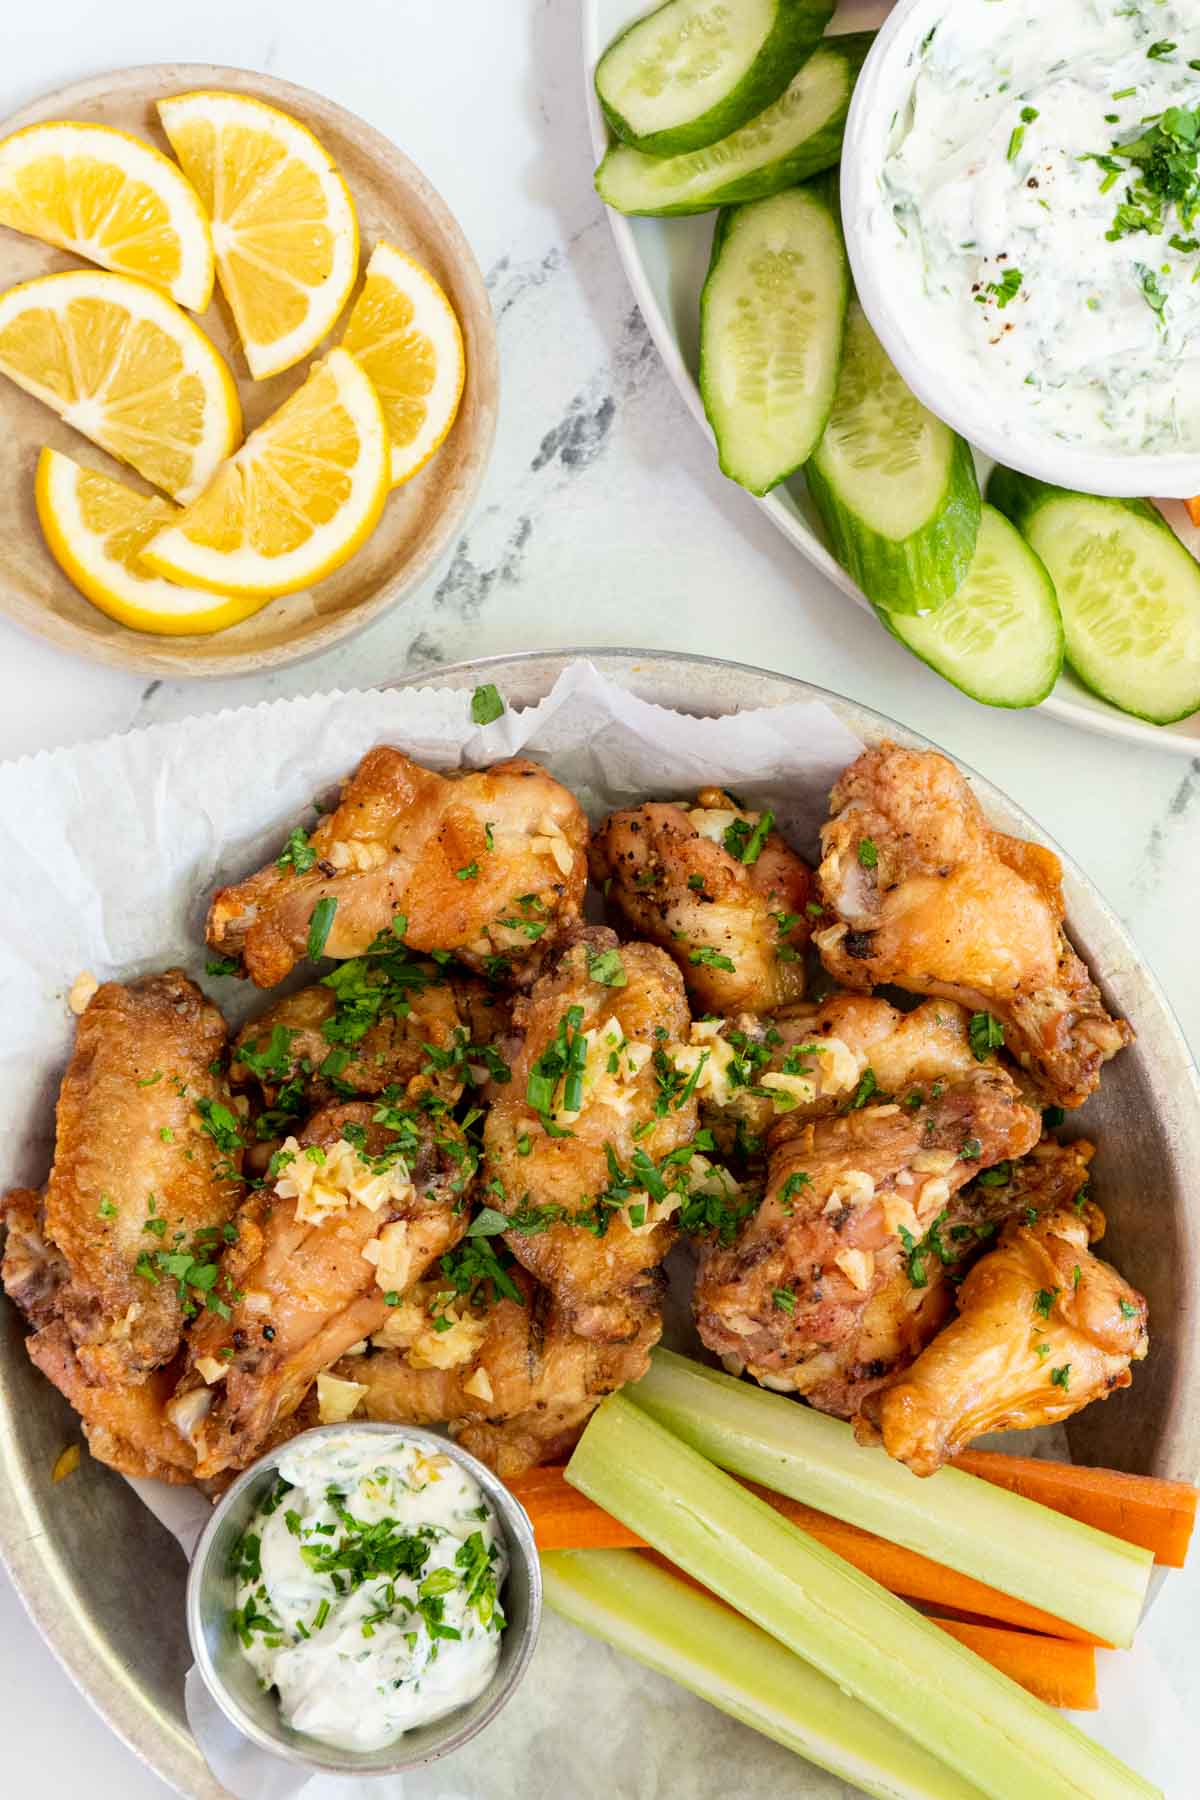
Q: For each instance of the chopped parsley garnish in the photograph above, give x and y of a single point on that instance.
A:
(1061, 1377)
(985, 1034)
(919, 1250)
(1152, 293)
(744, 841)
(479, 1274)
(476, 1562)
(1128, 1309)
(106, 1208)
(222, 965)
(607, 968)
(710, 959)
(275, 1061)
(486, 704)
(868, 853)
(490, 1222)
(219, 1124)
(1043, 1301)
(970, 1150)
(318, 926)
(1001, 291)
(297, 853)
(866, 1087)
(563, 1060)
(468, 872)
(784, 1299)
(1016, 139)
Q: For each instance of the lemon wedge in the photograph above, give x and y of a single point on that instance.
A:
(111, 198)
(303, 492)
(119, 361)
(95, 528)
(283, 223)
(404, 332)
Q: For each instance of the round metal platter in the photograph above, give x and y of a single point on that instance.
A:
(105, 1582)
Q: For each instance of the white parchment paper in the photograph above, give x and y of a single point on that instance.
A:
(115, 849)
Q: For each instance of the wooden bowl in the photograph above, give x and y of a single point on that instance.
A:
(394, 201)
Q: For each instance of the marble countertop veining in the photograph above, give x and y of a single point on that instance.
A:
(603, 520)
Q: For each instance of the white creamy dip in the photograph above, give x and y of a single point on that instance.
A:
(368, 1589)
(1002, 217)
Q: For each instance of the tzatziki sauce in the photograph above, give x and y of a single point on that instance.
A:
(368, 1588)
(1041, 185)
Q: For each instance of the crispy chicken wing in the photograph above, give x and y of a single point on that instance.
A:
(927, 896)
(376, 1023)
(848, 1200)
(32, 1271)
(356, 1211)
(725, 899)
(1044, 1328)
(489, 864)
(521, 1398)
(126, 1427)
(810, 1060)
(577, 1136)
(145, 1165)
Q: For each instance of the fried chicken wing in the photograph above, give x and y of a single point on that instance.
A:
(356, 1211)
(927, 896)
(489, 864)
(576, 1138)
(848, 1200)
(525, 1394)
(32, 1271)
(1044, 1328)
(125, 1427)
(807, 1061)
(734, 918)
(145, 1164)
(375, 1023)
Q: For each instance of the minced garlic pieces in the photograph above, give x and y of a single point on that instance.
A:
(854, 1188)
(409, 1327)
(336, 1179)
(713, 822)
(82, 989)
(353, 853)
(390, 1254)
(858, 1266)
(900, 1215)
(211, 1368)
(479, 1386)
(338, 1400)
(551, 840)
(612, 1067)
(709, 1053)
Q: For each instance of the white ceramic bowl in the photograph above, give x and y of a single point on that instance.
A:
(872, 240)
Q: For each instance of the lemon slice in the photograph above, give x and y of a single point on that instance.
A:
(283, 223)
(119, 361)
(111, 198)
(303, 492)
(95, 528)
(404, 333)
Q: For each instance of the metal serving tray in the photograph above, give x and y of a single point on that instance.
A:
(105, 1582)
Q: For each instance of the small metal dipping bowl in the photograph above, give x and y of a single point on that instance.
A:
(230, 1679)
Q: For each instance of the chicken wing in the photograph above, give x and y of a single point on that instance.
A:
(356, 1210)
(125, 1427)
(1044, 1328)
(719, 890)
(807, 1061)
(849, 1202)
(927, 896)
(146, 1172)
(32, 1271)
(375, 1023)
(521, 1398)
(576, 1140)
(489, 864)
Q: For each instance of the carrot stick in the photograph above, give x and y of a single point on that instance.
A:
(1193, 507)
(563, 1519)
(1158, 1515)
(1060, 1674)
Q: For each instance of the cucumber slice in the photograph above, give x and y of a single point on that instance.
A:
(772, 315)
(696, 70)
(999, 637)
(798, 135)
(1128, 591)
(895, 488)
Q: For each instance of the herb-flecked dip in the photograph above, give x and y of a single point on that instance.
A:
(368, 1589)
(1043, 176)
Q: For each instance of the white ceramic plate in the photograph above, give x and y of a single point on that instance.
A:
(666, 261)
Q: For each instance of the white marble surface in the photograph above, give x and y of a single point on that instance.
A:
(603, 521)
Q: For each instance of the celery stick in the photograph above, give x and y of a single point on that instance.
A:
(872, 1645)
(1080, 1574)
(619, 1596)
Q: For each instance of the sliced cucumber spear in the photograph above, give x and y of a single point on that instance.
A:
(696, 70)
(798, 135)
(1128, 591)
(999, 637)
(772, 315)
(895, 488)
